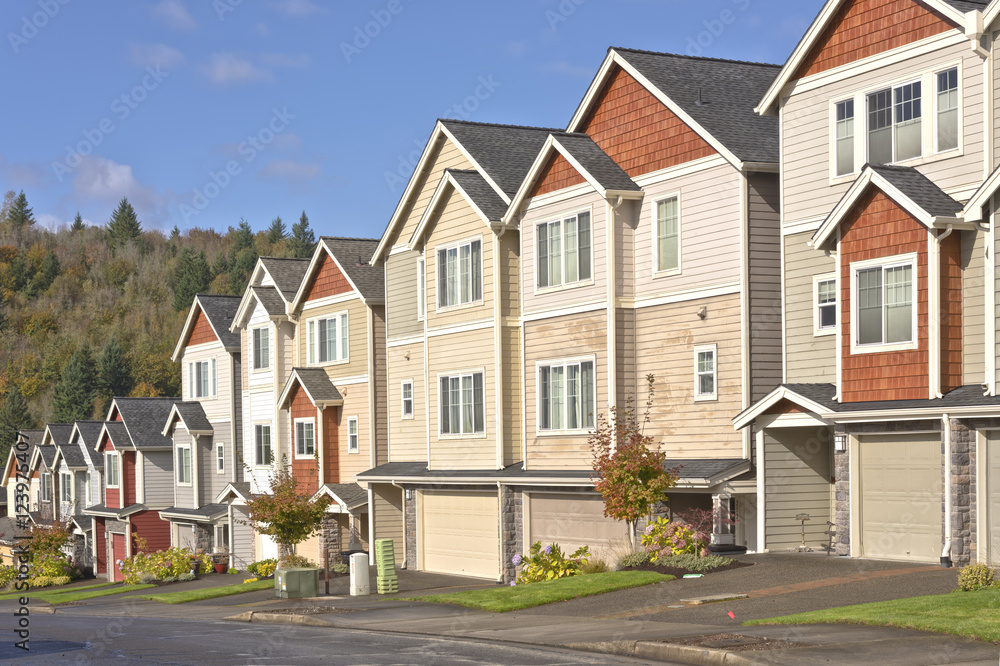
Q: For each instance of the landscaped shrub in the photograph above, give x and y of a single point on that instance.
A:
(173, 579)
(206, 562)
(47, 581)
(663, 538)
(341, 568)
(147, 578)
(633, 559)
(263, 568)
(232, 570)
(693, 562)
(61, 580)
(593, 565)
(186, 576)
(251, 580)
(160, 564)
(295, 562)
(549, 563)
(7, 576)
(976, 577)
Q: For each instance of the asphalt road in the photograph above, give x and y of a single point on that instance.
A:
(69, 639)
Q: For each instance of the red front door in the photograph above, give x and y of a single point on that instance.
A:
(117, 553)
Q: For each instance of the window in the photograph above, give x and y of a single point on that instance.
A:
(845, 137)
(884, 297)
(566, 396)
(668, 235)
(564, 251)
(460, 274)
(262, 441)
(947, 110)
(66, 487)
(894, 124)
(328, 339)
(202, 379)
(261, 348)
(88, 490)
(184, 465)
(825, 314)
(407, 398)
(220, 458)
(222, 537)
(421, 288)
(305, 439)
(462, 404)
(705, 373)
(46, 487)
(111, 468)
(352, 434)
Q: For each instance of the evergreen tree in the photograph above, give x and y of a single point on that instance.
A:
(19, 214)
(76, 390)
(123, 225)
(303, 240)
(46, 274)
(276, 231)
(221, 265)
(14, 416)
(240, 269)
(7, 205)
(78, 224)
(191, 276)
(175, 233)
(242, 237)
(114, 375)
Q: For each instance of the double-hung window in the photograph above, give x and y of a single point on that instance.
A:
(884, 304)
(894, 124)
(463, 410)
(421, 288)
(845, 137)
(111, 468)
(220, 458)
(566, 395)
(328, 339)
(564, 250)
(184, 465)
(460, 274)
(202, 380)
(825, 312)
(46, 487)
(947, 110)
(66, 487)
(667, 247)
(352, 435)
(261, 348)
(262, 442)
(305, 439)
(706, 373)
(407, 399)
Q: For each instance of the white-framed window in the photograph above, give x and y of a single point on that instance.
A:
(184, 465)
(844, 137)
(261, 348)
(564, 250)
(825, 304)
(463, 409)
(421, 288)
(327, 339)
(111, 469)
(406, 399)
(262, 444)
(222, 536)
(352, 435)
(459, 274)
(566, 395)
(305, 438)
(894, 123)
(45, 487)
(667, 235)
(88, 489)
(202, 380)
(947, 110)
(66, 487)
(220, 458)
(883, 292)
(706, 372)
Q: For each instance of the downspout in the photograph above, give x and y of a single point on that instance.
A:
(232, 535)
(934, 303)
(946, 435)
(612, 342)
(500, 526)
(990, 305)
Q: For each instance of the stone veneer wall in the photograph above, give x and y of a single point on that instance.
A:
(512, 530)
(842, 501)
(410, 526)
(329, 538)
(203, 538)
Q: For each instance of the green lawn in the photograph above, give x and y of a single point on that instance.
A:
(50, 591)
(68, 596)
(206, 593)
(968, 614)
(504, 599)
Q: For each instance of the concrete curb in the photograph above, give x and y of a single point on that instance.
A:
(689, 655)
(279, 618)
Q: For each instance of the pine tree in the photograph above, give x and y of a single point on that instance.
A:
(76, 390)
(191, 276)
(175, 232)
(242, 237)
(20, 214)
(221, 265)
(114, 375)
(78, 224)
(14, 416)
(303, 240)
(276, 231)
(123, 225)
(240, 269)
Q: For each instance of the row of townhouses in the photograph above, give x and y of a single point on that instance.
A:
(801, 255)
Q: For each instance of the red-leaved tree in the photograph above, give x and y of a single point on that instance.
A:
(629, 469)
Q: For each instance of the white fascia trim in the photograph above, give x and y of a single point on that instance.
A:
(475, 164)
(777, 395)
(321, 247)
(553, 198)
(399, 249)
(810, 224)
(436, 199)
(686, 169)
(595, 87)
(462, 328)
(489, 481)
(605, 193)
(331, 300)
(564, 312)
(529, 181)
(726, 289)
(244, 310)
(973, 211)
(402, 342)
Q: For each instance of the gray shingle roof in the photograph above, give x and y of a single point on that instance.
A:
(193, 415)
(316, 382)
(89, 431)
(505, 152)
(48, 454)
(351, 494)
(242, 488)
(203, 514)
(730, 90)
(32, 436)
(119, 435)
(967, 5)
(73, 455)
(60, 432)
(221, 310)
(270, 299)
(286, 273)
(920, 189)
(705, 468)
(353, 255)
(481, 193)
(144, 418)
(597, 162)
(963, 396)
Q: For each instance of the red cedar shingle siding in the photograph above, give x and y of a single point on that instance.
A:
(638, 131)
(951, 312)
(201, 332)
(149, 526)
(304, 469)
(557, 175)
(100, 546)
(864, 28)
(875, 228)
(331, 450)
(785, 406)
(328, 280)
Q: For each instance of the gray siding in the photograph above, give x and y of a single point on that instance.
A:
(242, 537)
(797, 469)
(809, 358)
(210, 482)
(764, 256)
(237, 424)
(158, 478)
(973, 307)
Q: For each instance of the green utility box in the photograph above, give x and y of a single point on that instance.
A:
(296, 583)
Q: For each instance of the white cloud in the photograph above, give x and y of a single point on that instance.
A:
(293, 172)
(297, 8)
(155, 55)
(563, 67)
(106, 182)
(174, 14)
(16, 176)
(288, 142)
(225, 68)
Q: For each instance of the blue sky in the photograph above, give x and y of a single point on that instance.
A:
(203, 112)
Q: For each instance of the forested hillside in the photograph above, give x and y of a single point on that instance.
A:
(89, 312)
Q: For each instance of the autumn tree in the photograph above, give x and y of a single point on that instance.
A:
(629, 469)
(124, 225)
(14, 416)
(302, 242)
(76, 391)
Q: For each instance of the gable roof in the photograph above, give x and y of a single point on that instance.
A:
(32, 436)
(951, 9)
(118, 434)
(472, 187)
(144, 419)
(192, 415)
(287, 274)
(234, 490)
(89, 431)
(220, 312)
(347, 496)
(57, 434)
(72, 454)
(270, 299)
(353, 256)
(317, 385)
(974, 206)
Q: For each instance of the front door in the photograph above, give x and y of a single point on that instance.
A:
(117, 553)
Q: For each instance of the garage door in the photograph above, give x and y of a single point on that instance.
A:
(117, 553)
(901, 497)
(993, 498)
(459, 533)
(572, 521)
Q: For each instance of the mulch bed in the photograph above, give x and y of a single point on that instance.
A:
(735, 643)
(675, 571)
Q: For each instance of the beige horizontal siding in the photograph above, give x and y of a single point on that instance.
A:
(973, 307)
(401, 296)
(809, 358)
(357, 336)
(219, 407)
(388, 518)
(407, 437)
(510, 345)
(797, 471)
(381, 389)
(355, 404)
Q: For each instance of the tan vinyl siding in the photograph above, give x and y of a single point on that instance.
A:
(242, 536)
(388, 508)
(509, 263)
(216, 407)
(453, 354)
(381, 393)
(510, 345)
(355, 404)
(407, 437)
(448, 156)
(553, 339)
(627, 379)
(807, 128)
(357, 331)
(797, 469)
(626, 226)
(996, 87)
(809, 358)
(973, 307)
(286, 356)
(764, 284)
(665, 339)
(401, 296)
(996, 278)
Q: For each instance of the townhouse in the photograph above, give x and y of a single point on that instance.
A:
(19, 459)
(78, 486)
(42, 463)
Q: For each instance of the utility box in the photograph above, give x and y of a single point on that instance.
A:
(360, 582)
(296, 583)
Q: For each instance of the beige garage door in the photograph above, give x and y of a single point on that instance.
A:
(900, 497)
(571, 521)
(459, 533)
(992, 516)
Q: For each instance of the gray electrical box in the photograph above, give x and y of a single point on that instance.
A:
(296, 583)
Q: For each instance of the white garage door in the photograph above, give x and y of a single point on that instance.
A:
(572, 521)
(459, 533)
(992, 516)
(901, 497)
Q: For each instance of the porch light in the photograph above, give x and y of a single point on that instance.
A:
(840, 442)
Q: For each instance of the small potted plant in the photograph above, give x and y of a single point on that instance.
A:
(221, 561)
